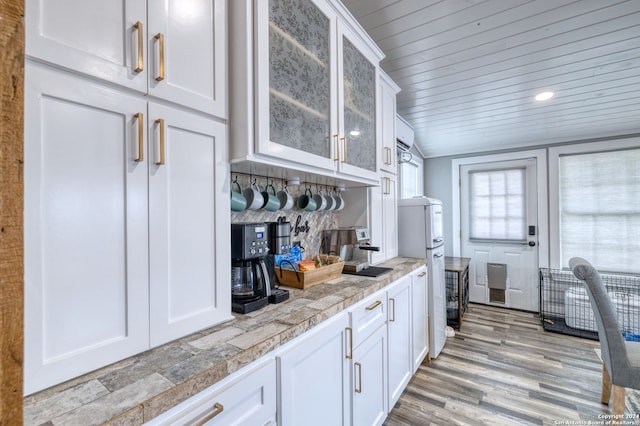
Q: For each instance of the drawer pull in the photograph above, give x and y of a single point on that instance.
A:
(422, 274)
(374, 305)
(359, 388)
(350, 354)
(218, 408)
(139, 59)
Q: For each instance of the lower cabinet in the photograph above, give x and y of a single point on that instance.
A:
(420, 317)
(314, 377)
(349, 370)
(400, 345)
(369, 380)
(246, 398)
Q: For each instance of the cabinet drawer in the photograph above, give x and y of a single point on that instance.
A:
(249, 398)
(367, 316)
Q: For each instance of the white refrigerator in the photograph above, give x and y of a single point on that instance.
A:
(420, 234)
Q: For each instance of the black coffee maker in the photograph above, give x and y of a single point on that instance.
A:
(250, 277)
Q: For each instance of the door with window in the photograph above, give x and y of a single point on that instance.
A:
(499, 231)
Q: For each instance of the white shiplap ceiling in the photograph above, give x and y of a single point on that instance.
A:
(469, 69)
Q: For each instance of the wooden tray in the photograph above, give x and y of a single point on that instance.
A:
(310, 278)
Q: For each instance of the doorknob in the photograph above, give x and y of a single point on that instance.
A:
(532, 243)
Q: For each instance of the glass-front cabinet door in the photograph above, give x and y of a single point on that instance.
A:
(357, 83)
(296, 111)
(316, 81)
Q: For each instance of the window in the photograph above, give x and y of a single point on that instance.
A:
(497, 205)
(411, 178)
(599, 209)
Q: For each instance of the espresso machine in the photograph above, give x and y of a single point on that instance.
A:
(250, 278)
(353, 246)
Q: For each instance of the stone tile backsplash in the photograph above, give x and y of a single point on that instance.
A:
(306, 226)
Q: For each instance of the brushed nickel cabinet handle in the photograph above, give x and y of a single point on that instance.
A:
(422, 274)
(392, 310)
(359, 388)
(160, 160)
(344, 150)
(160, 56)
(140, 42)
(337, 151)
(374, 305)
(350, 354)
(387, 186)
(140, 154)
(217, 409)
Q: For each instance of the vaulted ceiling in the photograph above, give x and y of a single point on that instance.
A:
(469, 69)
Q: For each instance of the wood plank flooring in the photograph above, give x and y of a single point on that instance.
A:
(502, 368)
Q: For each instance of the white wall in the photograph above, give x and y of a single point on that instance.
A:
(438, 180)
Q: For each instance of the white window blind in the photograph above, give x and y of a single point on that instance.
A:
(497, 205)
(411, 179)
(600, 209)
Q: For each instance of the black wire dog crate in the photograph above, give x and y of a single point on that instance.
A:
(565, 306)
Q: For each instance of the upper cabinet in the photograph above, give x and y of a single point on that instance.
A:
(357, 83)
(311, 101)
(164, 48)
(387, 122)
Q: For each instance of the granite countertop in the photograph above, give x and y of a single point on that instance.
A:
(142, 387)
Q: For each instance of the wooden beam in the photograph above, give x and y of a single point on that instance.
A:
(11, 202)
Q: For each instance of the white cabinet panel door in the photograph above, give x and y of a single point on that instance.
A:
(390, 205)
(369, 380)
(383, 219)
(86, 271)
(314, 378)
(189, 261)
(187, 53)
(399, 344)
(377, 222)
(387, 123)
(420, 317)
(249, 399)
(98, 38)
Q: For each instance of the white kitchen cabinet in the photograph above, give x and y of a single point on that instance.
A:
(367, 316)
(387, 122)
(304, 92)
(383, 219)
(420, 317)
(369, 380)
(121, 253)
(368, 347)
(170, 49)
(314, 377)
(189, 256)
(86, 228)
(357, 106)
(248, 397)
(400, 337)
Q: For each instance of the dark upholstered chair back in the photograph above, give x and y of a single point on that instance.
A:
(614, 353)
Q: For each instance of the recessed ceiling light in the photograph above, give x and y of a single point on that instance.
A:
(544, 96)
